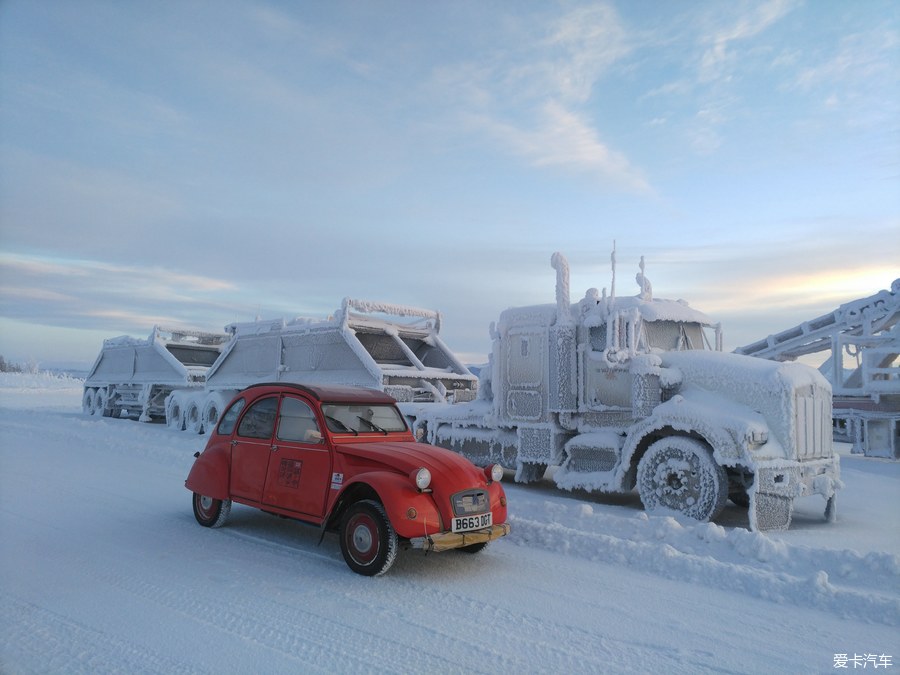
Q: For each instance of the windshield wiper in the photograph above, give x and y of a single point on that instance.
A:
(343, 426)
(372, 424)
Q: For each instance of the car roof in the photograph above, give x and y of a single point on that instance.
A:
(328, 393)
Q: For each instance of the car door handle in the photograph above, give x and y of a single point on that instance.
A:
(274, 448)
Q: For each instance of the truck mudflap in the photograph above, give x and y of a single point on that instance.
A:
(778, 484)
(446, 541)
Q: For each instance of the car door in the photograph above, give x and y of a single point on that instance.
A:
(251, 448)
(299, 471)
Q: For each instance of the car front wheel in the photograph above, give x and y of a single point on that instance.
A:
(368, 540)
(211, 512)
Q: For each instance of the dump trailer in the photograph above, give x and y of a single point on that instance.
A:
(392, 348)
(134, 378)
(625, 392)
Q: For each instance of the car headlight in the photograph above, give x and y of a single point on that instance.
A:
(422, 478)
(494, 472)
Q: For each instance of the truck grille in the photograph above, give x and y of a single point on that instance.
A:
(813, 432)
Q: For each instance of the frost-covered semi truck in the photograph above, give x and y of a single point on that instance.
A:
(392, 348)
(134, 377)
(625, 392)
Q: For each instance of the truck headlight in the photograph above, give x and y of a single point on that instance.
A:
(422, 478)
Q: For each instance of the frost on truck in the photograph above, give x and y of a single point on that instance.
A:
(189, 377)
(133, 377)
(634, 392)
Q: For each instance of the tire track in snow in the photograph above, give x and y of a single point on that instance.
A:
(38, 635)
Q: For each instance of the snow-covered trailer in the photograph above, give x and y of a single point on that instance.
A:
(134, 377)
(625, 392)
(392, 348)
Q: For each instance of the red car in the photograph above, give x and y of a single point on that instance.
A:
(344, 459)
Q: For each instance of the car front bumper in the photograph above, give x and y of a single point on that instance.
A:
(446, 541)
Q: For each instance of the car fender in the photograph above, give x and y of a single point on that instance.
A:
(412, 512)
(210, 473)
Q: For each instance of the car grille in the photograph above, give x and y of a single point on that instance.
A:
(469, 502)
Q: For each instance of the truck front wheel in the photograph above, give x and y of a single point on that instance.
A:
(680, 474)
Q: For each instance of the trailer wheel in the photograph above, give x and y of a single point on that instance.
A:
(193, 422)
(680, 474)
(175, 413)
(100, 400)
(368, 540)
(88, 401)
(211, 512)
(212, 409)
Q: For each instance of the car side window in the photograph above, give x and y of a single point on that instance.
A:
(229, 419)
(297, 422)
(259, 420)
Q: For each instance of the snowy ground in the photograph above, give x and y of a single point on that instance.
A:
(103, 569)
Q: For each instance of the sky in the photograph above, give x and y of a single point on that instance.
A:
(194, 163)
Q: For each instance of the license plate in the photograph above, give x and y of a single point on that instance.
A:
(469, 523)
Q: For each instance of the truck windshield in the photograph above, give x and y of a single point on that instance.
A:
(673, 335)
(355, 418)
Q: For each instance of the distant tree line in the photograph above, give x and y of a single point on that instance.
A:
(9, 367)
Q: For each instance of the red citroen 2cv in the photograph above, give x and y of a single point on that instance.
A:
(343, 459)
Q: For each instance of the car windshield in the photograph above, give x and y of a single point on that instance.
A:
(356, 418)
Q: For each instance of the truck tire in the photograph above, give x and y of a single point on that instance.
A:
(679, 474)
(193, 420)
(175, 412)
(101, 398)
(213, 407)
(88, 401)
(368, 540)
(211, 512)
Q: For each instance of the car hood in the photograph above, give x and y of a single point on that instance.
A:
(407, 457)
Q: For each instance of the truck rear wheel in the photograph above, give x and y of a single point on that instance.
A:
(680, 474)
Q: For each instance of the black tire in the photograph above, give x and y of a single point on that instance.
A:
(740, 498)
(680, 474)
(211, 512)
(368, 540)
(474, 548)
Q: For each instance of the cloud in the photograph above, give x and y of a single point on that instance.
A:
(534, 102)
(563, 139)
(717, 58)
(95, 294)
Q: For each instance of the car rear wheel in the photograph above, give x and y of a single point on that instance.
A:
(211, 512)
(368, 540)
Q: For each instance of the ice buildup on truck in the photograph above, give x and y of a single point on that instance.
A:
(634, 392)
(392, 348)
